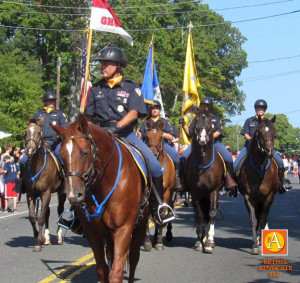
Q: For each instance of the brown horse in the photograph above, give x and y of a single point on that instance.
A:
(258, 179)
(105, 184)
(41, 178)
(204, 177)
(155, 142)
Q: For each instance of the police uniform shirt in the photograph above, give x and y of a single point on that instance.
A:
(216, 124)
(249, 127)
(107, 104)
(165, 129)
(55, 117)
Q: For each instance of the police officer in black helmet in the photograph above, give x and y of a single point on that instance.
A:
(248, 131)
(53, 116)
(115, 104)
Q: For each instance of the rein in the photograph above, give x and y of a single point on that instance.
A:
(201, 166)
(33, 178)
(99, 207)
(159, 150)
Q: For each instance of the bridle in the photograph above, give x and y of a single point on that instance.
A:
(158, 148)
(38, 143)
(91, 174)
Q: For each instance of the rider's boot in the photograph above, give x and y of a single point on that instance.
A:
(230, 183)
(177, 185)
(157, 210)
(71, 222)
(285, 184)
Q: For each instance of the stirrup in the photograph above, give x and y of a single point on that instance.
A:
(169, 216)
(66, 221)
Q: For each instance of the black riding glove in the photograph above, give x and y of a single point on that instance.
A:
(181, 121)
(113, 129)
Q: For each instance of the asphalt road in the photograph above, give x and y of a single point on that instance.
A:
(178, 262)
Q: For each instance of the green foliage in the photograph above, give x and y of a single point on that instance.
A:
(233, 138)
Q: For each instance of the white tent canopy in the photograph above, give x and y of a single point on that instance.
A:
(4, 135)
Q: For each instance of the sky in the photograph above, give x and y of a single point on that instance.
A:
(277, 79)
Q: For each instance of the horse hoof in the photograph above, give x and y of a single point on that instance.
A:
(197, 244)
(147, 246)
(169, 237)
(208, 250)
(37, 248)
(159, 247)
(255, 251)
(59, 241)
(211, 243)
(47, 243)
(198, 249)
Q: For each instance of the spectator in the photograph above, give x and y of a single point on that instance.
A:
(11, 173)
(7, 151)
(285, 165)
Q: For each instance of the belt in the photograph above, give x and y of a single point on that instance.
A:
(107, 124)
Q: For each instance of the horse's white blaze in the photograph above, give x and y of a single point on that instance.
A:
(267, 129)
(69, 147)
(211, 232)
(203, 136)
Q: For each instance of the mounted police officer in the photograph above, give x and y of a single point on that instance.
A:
(53, 116)
(115, 104)
(207, 104)
(154, 117)
(248, 131)
(174, 130)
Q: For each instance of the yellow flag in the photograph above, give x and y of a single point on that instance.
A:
(190, 85)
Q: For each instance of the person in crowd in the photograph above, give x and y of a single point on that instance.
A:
(248, 131)
(115, 104)
(153, 118)
(174, 130)
(53, 116)
(285, 165)
(7, 152)
(11, 172)
(17, 154)
(207, 105)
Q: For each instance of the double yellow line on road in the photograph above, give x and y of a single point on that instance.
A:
(65, 274)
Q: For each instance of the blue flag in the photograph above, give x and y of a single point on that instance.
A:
(150, 86)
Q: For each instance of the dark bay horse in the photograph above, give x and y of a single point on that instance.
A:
(204, 177)
(109, 194)
(155, 142)
(258, 178)
(41, 178)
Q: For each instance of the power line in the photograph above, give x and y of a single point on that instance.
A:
(251, 79)
(162, 28)
(274, 59)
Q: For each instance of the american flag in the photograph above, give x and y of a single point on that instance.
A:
(86, 85)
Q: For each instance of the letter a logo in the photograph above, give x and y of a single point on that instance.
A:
(274, 242)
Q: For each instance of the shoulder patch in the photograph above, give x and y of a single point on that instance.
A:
(138, 91)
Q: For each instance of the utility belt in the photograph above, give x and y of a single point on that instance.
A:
(107, 123)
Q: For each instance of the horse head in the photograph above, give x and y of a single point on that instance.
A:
(265, 136)
(154, 138)
(203, 131)
(33, 136)
(79, 153)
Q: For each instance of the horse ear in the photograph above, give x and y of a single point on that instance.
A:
(273, 119)
(149, 125)
(196, 110)
(27, 118)
(60, 130)
(82, 122)
(40, 121)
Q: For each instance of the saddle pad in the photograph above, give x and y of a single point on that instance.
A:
(138, 160)
(225, 169)
(56, 161)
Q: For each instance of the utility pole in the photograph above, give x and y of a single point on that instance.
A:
(58, 81)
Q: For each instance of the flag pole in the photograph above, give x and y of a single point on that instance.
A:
(88, 48)
(190, 26)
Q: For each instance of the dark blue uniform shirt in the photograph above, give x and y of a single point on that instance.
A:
(216, 124)
(249, 127)
(55, 117)
(107, 104)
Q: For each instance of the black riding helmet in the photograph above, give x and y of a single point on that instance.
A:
(261, 103)
(49, 95)
(112, 53)
(168, 114)
(208, 101)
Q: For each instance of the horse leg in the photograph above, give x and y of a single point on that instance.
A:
(44, 214)
(253, 225)
(122, 241)
(32, 218)
(134, 253)
(147, 241)
(199, 226)
(169, 235)
(60, 210)
(47, 231)
(159, 235)
(210, 243)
